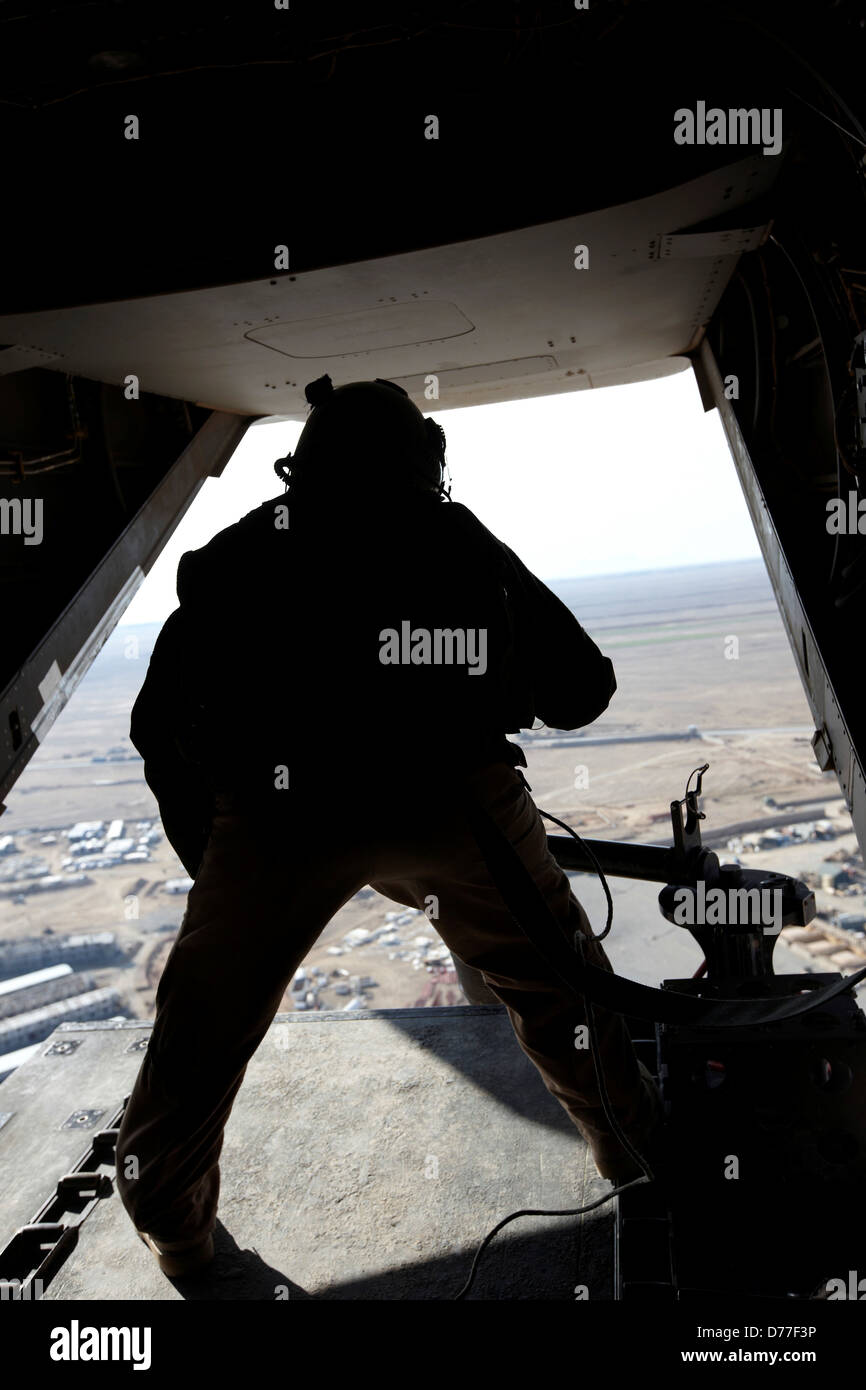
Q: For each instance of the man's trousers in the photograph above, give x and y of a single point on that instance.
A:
(261, 899)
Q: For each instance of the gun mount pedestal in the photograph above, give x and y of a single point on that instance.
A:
(762, 1121)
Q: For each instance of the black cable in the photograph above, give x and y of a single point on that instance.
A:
(596, 866)
(823, 114)
(750, 22)
(589, 1012)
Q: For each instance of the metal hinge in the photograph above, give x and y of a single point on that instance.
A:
(678, 246)
(30, 1260)
(823, 750)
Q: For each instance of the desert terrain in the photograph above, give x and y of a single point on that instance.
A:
(702, 646)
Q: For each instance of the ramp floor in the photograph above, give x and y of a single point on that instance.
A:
(366, 1157)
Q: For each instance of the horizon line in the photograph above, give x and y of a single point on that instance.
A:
(564, 579)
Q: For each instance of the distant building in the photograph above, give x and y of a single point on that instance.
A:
(35, 977)
(114, 831)
(85, 829)
(177, 885)
(36, 1025)
(773, 839)
(115, 848)
(49, 883)
(36, 952)
(29, 992)
(831, 876)
(7, 845)
(23, 866)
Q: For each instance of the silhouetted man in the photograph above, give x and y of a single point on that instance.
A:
(343, 662)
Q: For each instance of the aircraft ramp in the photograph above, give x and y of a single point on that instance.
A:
(366, 1157)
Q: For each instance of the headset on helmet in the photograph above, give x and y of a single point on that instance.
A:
(321, 392)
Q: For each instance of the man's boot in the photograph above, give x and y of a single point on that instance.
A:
(643, 1127)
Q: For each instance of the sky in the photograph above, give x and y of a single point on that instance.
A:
(605, 481)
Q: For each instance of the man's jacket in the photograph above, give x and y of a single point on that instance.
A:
(341, 656)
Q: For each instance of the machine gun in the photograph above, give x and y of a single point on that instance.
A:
(762, 1076)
